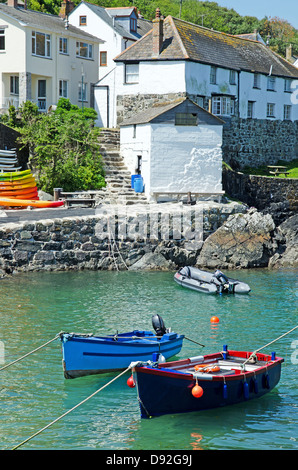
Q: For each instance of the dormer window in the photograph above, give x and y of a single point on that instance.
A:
(133, 25)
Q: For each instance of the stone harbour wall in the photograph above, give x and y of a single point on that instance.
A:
(110, 240)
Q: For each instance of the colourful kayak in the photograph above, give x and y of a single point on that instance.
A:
(22, 193)
(13, 186)
(12, 202)
(15, 174)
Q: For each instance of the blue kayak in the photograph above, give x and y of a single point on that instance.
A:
(88, 354)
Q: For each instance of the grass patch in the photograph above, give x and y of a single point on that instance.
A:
(292, 168)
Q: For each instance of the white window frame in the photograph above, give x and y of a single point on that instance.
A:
(131, 73)
(84, 46)
(271, 83)
(63, 45)
(270, 113)
(287, 85)
(82, 96)
(63, 88)
(223, 105)
(250, 109)
(47, 44)
(287, 112)
(257, 81)
(213, 73)
(232, 77)
(14, 85)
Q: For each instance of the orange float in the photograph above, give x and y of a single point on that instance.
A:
(208, 369)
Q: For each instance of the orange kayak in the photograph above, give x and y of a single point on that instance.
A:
(12, 202)
(29, 179)
(17, 187)
(20, 192)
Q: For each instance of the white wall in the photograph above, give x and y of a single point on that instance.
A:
(175, 159)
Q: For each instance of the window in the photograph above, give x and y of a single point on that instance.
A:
(2, 39)
(41, 99)
(213, 75)
(287, 111)
(103, 58)
(82, 92)
(232, 77)
(186, 119)
(63, 89)
(270, 110)
(132, 73)
(84, 50)
(200, 101)
(41, 44)
(257, 81)
(14, 85)
(250, 109)
(223, 105)
(133, 25)
(83, 20)
(287, 85)
(271, 83)
(63, 45)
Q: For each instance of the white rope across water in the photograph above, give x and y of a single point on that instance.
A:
(69, 411)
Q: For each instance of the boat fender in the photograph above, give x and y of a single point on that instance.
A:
(246, 390)
(158, 325)
(256, 385)
(225, 391)
(197, 391)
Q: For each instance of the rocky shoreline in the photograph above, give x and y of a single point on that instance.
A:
(222, 236)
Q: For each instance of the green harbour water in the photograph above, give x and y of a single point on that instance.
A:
(33, 392)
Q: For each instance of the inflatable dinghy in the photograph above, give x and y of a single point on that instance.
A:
(209, 283)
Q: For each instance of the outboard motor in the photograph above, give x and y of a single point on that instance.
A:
(158, 325)
(221, 277)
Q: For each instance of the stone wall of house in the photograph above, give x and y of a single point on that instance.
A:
(261, 191)
(246, 142)
(74, 243)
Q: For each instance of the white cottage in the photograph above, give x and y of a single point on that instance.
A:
(176, 147)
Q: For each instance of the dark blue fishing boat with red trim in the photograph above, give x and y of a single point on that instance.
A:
(89, 354)
(204, 382)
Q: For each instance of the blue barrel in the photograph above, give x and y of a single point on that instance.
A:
(133, 178)
(139, 185)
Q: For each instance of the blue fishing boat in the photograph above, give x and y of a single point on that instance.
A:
(204, 382)
(88, 354)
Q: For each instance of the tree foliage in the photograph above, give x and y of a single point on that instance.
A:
(63, 146)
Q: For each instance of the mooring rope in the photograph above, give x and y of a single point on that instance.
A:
(31, 352)
(69, 411)
(268, 344)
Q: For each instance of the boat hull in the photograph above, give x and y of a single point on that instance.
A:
(95, 355)
(162, 391)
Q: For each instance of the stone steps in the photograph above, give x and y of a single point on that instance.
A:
(117, 176)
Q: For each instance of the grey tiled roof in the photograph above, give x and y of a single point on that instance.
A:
(149, 114)
(187, 41)
(45, 21)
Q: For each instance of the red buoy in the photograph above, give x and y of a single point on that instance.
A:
(130, 382)
(197, 391)
(214, 319)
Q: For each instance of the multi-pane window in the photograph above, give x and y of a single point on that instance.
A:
(63, 45)
(213, 75)
(223, 105)
(287, 85)
(132, 73)
(82, 91)
(257, 80)
(232, 78)
(271, 83)
(2, 39)
(271, 110)
(186, 119)
(133, 25)
(287, 111)
(41, 44)
(103, 58)
(250, 109)
(84, 50)
(63, 89)
(14, 85)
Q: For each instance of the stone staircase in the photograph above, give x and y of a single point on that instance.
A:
(117, 176)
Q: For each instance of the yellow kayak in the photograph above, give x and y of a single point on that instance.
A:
(11, 202)
(15, 174)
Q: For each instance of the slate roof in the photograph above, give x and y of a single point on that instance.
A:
(37, 19)
(187, 41)
(149, 114)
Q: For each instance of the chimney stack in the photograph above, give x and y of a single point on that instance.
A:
(12, 3)
(289, 52)
(157, 33)
(66, 8)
